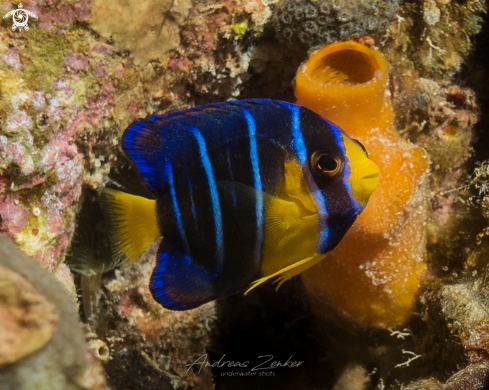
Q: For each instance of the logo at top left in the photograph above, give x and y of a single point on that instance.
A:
(20, 17)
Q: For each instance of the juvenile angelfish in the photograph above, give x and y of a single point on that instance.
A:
(245, 191)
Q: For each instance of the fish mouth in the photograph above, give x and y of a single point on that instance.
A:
(370, 182)
(371, 176)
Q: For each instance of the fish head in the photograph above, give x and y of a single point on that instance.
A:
(343, 176)
(363, 173)
(340, 178)
(343, 180)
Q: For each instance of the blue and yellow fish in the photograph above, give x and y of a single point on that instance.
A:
(245, 191)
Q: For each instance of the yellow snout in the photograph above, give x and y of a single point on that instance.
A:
(365, 179)
(364, 176)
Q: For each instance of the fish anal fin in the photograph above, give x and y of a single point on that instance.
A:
(177, 284)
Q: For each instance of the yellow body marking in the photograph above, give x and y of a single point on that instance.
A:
(290, 241)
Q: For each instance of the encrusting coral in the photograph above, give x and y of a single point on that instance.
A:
(313, 22)
(373, 274)
(156, 24)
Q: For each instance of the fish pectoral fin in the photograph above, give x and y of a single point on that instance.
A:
(278, 214)
(82, 269)
(288, 272)
(282, 278)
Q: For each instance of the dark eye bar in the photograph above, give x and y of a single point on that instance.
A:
(363, 147)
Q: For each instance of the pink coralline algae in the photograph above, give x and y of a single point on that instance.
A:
(68, 165)
(55, 221)
(100, 69)
(60, 157)
(3, 184)
(63, 85)
(51, 259)
(12, 60)
(65, 15)
(13, 215)
(54, 110)
(32, 182)
(38, 100)
(81, 11)
(62, 196)
(17, 151)
(119, 71)
(99, 106)
(101, 48)
(18, 120)
(177, 62)
(75, 62)
(132, 106)
(109, 87)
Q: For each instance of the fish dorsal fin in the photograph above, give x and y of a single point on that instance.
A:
(177, 137)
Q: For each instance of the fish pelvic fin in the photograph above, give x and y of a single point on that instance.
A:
(131, 222)
(288, 272)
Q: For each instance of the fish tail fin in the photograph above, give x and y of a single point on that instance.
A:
(132, 224)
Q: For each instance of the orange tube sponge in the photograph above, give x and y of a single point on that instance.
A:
(373, 274)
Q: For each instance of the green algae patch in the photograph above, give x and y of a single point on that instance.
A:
(47, 53)
(240, 28)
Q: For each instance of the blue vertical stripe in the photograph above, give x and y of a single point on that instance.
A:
(257, 183)
(178, 215)
(297, 138)
(346, 181)
(216, 208)
(319, 199)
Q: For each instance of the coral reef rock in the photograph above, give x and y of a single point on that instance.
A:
(473, 377)
(45, 349)
(27, 320)
(142, 336)
(313, 22)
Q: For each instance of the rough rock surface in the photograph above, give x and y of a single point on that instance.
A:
(141, 335)
(50, 359)
(27, 319)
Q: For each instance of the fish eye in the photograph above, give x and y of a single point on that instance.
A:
(324, 165)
